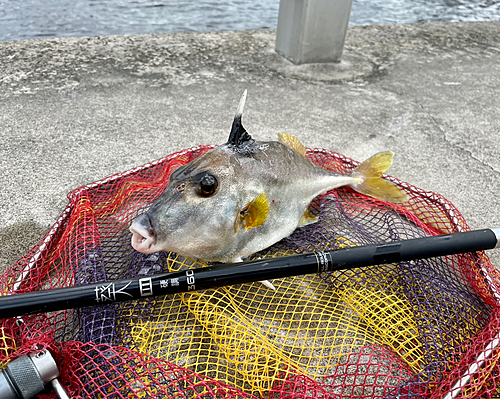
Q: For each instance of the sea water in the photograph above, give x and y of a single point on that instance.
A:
(28, 19)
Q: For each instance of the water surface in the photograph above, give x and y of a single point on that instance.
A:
(27, 19)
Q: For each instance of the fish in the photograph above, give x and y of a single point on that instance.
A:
(245, 195)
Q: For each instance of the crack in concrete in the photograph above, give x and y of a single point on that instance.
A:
(443, 131)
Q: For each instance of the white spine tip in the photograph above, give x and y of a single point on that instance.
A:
(268, 285)
(241, 105)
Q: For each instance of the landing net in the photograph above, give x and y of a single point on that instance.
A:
(426, 328)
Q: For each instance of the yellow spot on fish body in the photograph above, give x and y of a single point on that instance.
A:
(255, 213)
(292, 142)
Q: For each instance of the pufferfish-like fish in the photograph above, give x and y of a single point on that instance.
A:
(245, 195)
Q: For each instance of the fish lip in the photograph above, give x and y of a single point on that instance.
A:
(143, 237)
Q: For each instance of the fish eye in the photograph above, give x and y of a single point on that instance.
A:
(207, 185)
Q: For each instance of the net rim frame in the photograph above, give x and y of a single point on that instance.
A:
(448, 208)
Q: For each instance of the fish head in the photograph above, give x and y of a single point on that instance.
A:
(200, 212)
(194, 216)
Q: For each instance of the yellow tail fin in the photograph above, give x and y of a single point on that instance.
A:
(373, 185)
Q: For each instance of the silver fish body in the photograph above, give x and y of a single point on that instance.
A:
(240, 198)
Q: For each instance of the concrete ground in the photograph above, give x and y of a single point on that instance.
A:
(73, 111)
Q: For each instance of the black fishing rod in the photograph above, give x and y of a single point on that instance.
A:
(246, 272)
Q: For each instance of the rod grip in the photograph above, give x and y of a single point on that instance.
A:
(417, 248)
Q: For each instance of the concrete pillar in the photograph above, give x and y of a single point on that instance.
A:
(312, 31)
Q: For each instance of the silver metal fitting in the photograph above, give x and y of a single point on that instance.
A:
(25, 377)
(496, 230)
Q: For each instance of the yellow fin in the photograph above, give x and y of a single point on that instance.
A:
(292, 142)
(307, 218)
(254, 213)
(372, 183)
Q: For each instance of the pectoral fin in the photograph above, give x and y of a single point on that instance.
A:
(254, 214)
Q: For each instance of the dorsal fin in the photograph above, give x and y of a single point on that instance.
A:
(292, 142)
(238, 133)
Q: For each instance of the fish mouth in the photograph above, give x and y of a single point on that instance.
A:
(143, 237)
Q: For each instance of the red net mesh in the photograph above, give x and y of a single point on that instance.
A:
(428, 328)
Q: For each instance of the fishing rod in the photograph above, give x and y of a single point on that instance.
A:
(245, 272)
